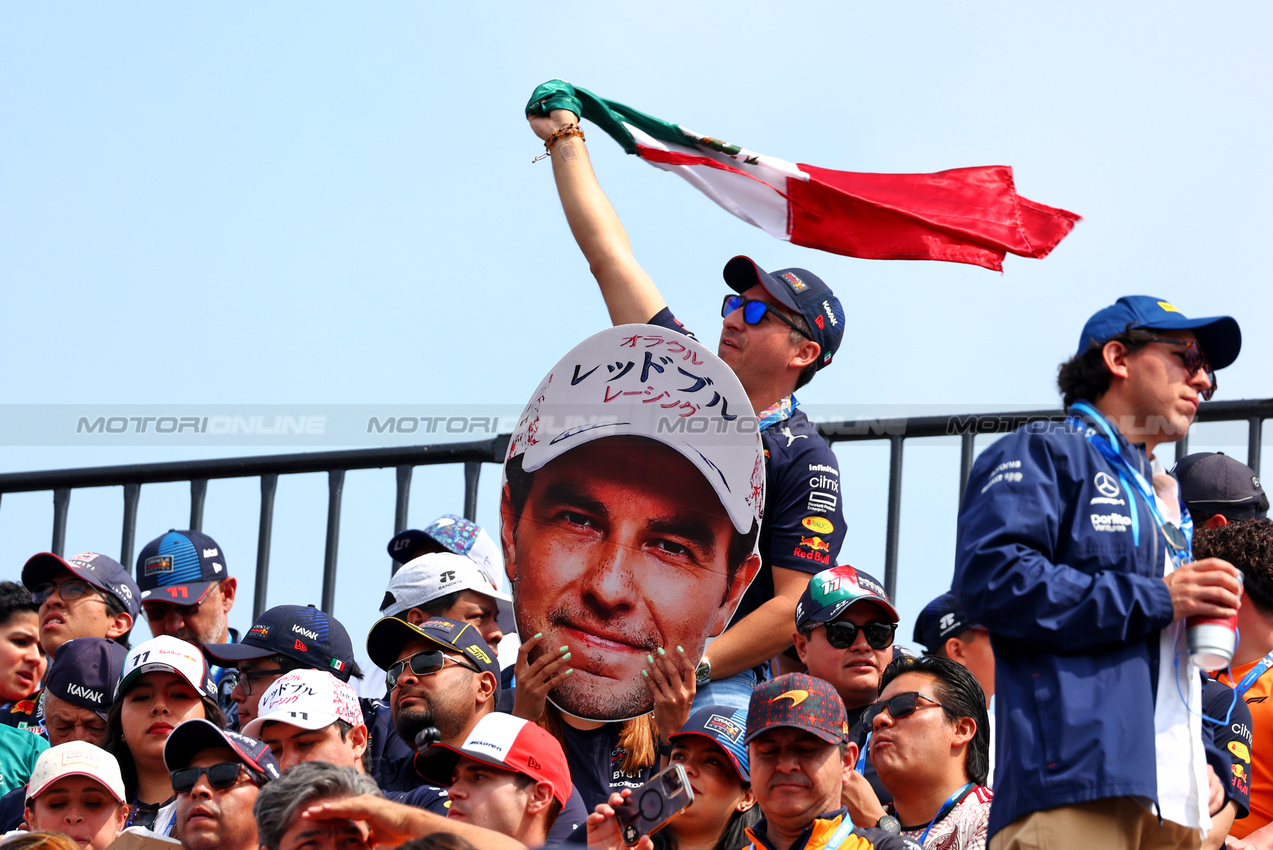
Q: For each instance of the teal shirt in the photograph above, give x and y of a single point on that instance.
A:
(19, 750)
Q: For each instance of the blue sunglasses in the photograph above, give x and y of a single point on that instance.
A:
(754, 311)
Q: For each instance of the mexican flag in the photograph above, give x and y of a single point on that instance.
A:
(964, 215)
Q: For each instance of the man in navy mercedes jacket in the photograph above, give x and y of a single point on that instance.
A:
(1074, 551)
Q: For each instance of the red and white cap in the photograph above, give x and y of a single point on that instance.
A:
(507, 742)
(167, 654)
(308, 699)
(76, 758)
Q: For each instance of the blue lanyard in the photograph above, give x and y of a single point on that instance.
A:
(951, 802)
(841, 833)
(1253, 674)
(1179, 554)
(862, 755)
(777, 411)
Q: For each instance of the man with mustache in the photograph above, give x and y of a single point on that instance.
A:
(216, 776)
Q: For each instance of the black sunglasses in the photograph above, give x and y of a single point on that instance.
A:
(423, 664)
(754, 311)
(899, 706)
(1194, 360)
(842, 634)
(69, 590)
(220, 776)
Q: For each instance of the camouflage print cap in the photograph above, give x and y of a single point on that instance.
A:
(832, 591)
(802, 702)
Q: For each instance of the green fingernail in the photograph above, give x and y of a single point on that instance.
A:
(564, 657)
(645, 674)
(564, 649)
(678, 649)
(649, 658)
(568, 672)
(538, 635)
(661, 652)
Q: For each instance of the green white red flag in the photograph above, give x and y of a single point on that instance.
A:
(964, 215)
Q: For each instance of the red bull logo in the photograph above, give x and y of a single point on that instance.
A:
(817, 544)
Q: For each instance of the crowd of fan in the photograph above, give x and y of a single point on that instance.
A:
(222, 742)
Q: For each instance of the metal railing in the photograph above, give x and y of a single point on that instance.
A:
(473, 454)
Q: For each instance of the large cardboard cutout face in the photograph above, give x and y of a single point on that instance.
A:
(630, 511)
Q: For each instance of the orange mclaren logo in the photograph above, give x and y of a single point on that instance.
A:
(796, 697)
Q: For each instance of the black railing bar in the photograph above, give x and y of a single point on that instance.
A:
(1255, 426)
(472, 472)
(892, 533)
(61, 501)
(198, 495)
(335, 487)
(402, 499)
(490, 451)
(265, 532)
(967, 450)
(132, 494)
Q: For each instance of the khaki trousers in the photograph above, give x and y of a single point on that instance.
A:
(1115, 823)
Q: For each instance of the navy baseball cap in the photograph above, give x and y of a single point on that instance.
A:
(102, 572)
(800, 701)
(180, 567)
(1218, 336)
(1213, 483)
(942, 618)
(189, 738)
(802, 291)
(832, 591)
(390, 634)
(85, 673)
(724, 725)
(300, 632)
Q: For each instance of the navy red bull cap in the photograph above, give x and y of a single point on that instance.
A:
(85, 673)
(802, 291)
(193, 736)
(180, 567)
(300, 632)
(799, 701)
(942, 618)
(832, 591)
(725, 726)
(102, 572)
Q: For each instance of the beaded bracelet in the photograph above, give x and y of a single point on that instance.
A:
(558, 135)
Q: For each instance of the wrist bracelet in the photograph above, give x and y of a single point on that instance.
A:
(558, 135)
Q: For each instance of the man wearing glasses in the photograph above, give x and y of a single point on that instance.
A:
(779, 329)
(930, 744)
(1074, 551)
(87, 595)
(216, 776)
(845, 627)
(186, 590)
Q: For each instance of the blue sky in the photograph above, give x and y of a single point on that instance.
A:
(333, 204)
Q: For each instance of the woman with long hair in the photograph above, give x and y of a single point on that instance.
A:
(710, 748)
(166, 681)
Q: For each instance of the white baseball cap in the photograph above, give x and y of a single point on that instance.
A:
(308, 699)
(427, 577)
(76, 758)
(167, 654)
(647, 381)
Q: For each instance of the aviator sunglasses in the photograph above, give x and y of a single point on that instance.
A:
(423, 664)
(899, 706)
(842, 634)
(220, 776)
(1194, 360)
(754, 311)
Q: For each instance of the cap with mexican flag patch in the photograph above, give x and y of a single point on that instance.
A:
(832, 591)
(300, 632)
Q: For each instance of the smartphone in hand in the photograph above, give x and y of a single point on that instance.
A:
(649, 808)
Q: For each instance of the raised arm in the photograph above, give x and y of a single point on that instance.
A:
(629, 293)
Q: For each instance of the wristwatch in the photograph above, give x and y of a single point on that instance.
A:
(888, 823)
(703, 673)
